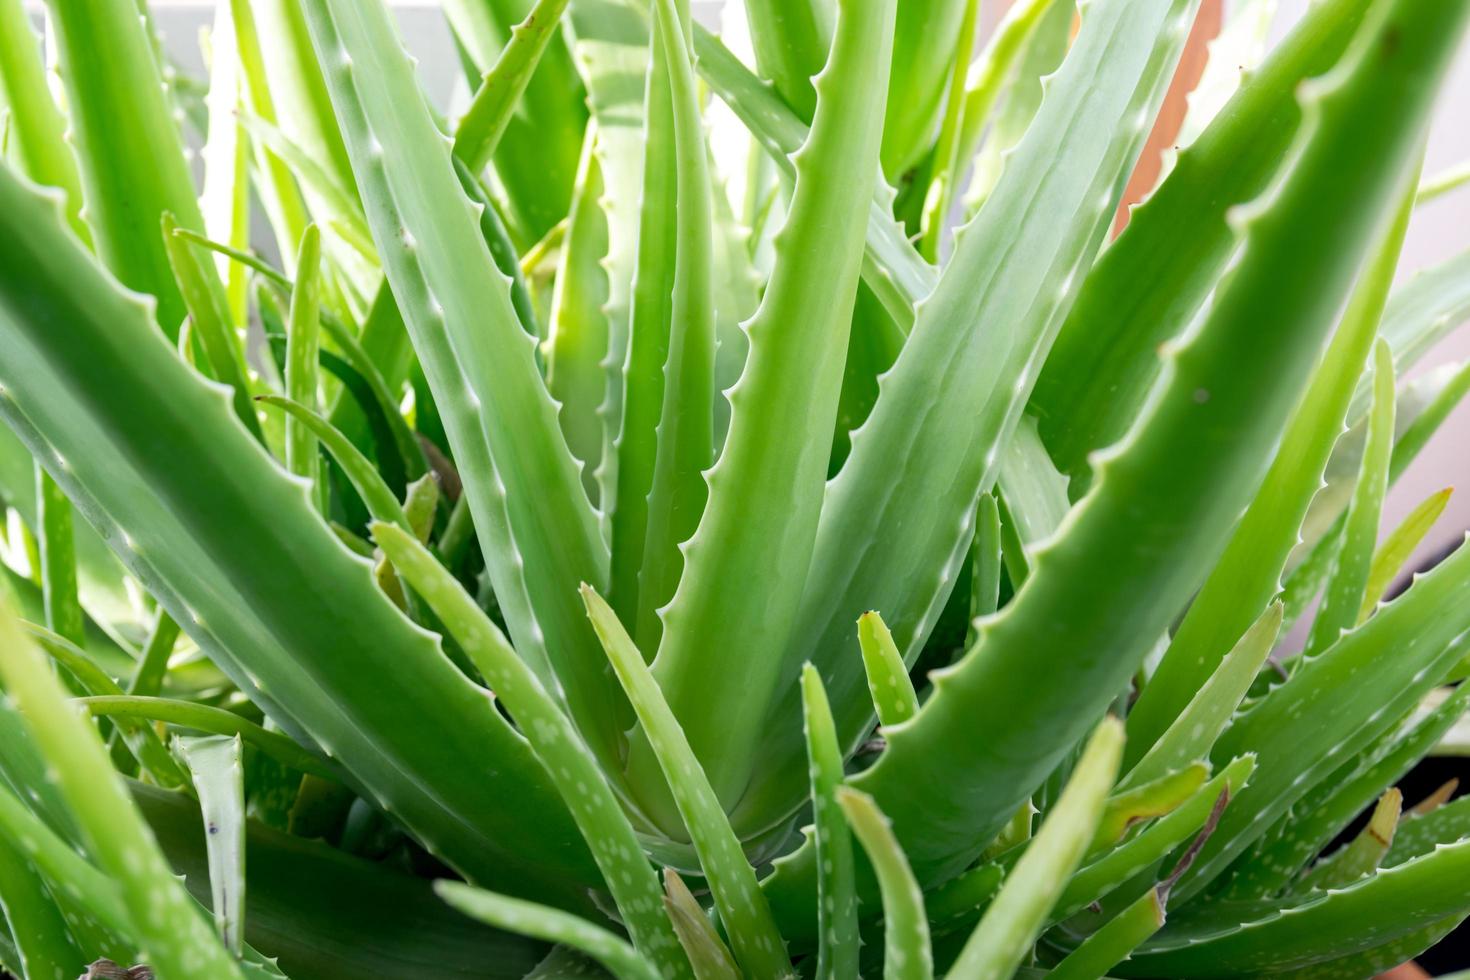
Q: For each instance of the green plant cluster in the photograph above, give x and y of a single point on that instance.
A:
(720, 506)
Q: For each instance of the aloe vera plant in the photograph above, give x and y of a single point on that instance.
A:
(538, 554)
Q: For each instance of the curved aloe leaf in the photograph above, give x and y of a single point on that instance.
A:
(1347, 584)
(218, 773)
(1208, 421)
(708, 954)
(233, 550)
(838, 948)
(677, 494)
(1248, 573)
(37, 129)
(539, 532)
(907, 954)
(1115, 941)
(1295, 750)
(43, 945)
(1174, 247)
(478, 134)
(767, 485)
(888, 678)
(552, 925)
(1398, 547)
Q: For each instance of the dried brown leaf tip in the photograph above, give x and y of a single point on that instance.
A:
(108, 970)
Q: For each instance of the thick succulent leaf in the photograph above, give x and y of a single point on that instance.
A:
(611, 50)
(743, 909)
(791, 39)
(556, 743)
(708, 954)
(907, 954)
(893, 694)
(677, 495)
(478, 134)
(1298, 744)
(579, 320)
(538, 531)
(1327, 926)
(536, 162)
(549, 924)
(1378, 960)
(963, 377)
(895, 272)
(1360, 856)
(947, 158)
(162, 917)
(232, 548)
(650, 324)
(1398, 547)
(130, 151)
(1147, 287)
(1147, 801)
(205, 718)
(768, 483)
(1013, 921)
(838, 937)
(1420, 834)
(303, 357)
(56, 543)
(215, 763)
(1248, 573)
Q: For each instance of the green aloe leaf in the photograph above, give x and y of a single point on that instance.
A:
(550, 924)
(1329, 925)
(768, 483)
(205, 718)
(836, 891)
(1145, 801)
(225, 201)
(677, 493)
(708, 954)
(791, 42)
(1145, 290)
(536, 162)
(1329, 809)
(303, 355)
(1115, 941)
(1015, 918)
(1295, 749)
(1248, 573)
(43, 947)
(218, 772)
(888, 678)
(1210, 429)
(926, 44)
(1191, 735)
(540, 534)
(1398, 547)
(478, 134)
(1360, 856)
(907, 954)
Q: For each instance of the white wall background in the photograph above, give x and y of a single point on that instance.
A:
(1440, 230)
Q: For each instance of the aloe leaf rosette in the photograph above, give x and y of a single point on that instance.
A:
(645, 519)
